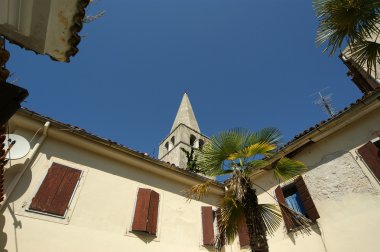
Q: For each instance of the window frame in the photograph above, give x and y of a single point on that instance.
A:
(311, 209)
(130, 232)
(216, 215)
(23, 208)
(368, 168)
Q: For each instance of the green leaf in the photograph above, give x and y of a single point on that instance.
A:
(286, 168)
(271, 216)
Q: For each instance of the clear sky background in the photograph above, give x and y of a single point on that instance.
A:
(244, 63)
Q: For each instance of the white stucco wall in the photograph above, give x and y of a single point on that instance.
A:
(344, 191)
(101, 213)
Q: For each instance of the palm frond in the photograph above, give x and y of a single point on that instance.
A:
(255, 165)
(198, 191)
(271, 216)
(297, 220)
(231, 215)
(267, 135)
(365, 53)
(345, 20)
(286, 168)
(216, 151)
(261, 148)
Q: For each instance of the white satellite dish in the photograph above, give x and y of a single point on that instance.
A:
(20, 148)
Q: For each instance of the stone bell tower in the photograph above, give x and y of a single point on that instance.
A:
(185, 133)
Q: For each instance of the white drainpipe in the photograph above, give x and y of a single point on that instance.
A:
(32, 153)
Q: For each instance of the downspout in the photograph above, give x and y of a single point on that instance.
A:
(31, 155)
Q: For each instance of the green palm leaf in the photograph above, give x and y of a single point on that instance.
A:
(271, 216)
(365, 53)
(341, 20)
(286, 168)
(354, 22)
(231, 215)
(262, 148)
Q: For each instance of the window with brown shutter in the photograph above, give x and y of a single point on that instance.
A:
(297, 197)
(243, 234)
(370, 153)
(146, 211)
(57, 188)
(208, 226)
(211, 226)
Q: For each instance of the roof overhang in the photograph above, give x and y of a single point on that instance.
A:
(44, 26)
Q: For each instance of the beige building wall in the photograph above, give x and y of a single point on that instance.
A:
(346, 194)
(101, 212)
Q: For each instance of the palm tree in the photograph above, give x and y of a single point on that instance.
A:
(350, 22)
(241, 153)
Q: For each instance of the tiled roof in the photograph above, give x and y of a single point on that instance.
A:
(77, 130)
(75, 28)
(76, 25)
(337, 115)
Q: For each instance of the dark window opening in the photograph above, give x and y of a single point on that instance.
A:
(172, 140)
(201, 143)
(377, 144)
(192, 140)
(293, 199)
(297, 197)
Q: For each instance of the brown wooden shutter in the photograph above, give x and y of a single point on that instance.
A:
(243, 234)
(146, 211)
(56, 190)
(208, 225)
(281, 200)
(307, 201)
(140, 218)
(153, 213)
(371, 156)
(221, 233)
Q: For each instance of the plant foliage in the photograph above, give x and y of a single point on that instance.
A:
(351, 22)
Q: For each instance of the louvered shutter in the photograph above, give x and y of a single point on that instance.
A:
(56, 190)
(208, 225)
(281, 200)
(243, 234)
(307, 201)
(153, 213)
(371, 156)
(222, 235)
(146, 211)
(140, 218)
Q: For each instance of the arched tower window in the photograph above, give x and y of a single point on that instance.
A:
(172, 140)
(167, 146)
(201, 143)
(192, 140)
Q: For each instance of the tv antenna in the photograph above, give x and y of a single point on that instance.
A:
(325, 102)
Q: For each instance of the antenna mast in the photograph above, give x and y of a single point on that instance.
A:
(325, 102)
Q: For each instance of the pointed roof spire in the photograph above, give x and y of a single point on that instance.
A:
(185, 115)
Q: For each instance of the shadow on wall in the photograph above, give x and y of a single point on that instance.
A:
(3, 236)
(294, 234)
(16, 225)
(144, 237)
(21, 188)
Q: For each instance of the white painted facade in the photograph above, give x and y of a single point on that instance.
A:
(343, 188)
(100, 214)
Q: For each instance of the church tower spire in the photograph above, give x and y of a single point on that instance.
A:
(184, 134)
(185, 115)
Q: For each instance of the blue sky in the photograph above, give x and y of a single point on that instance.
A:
(244, 63)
